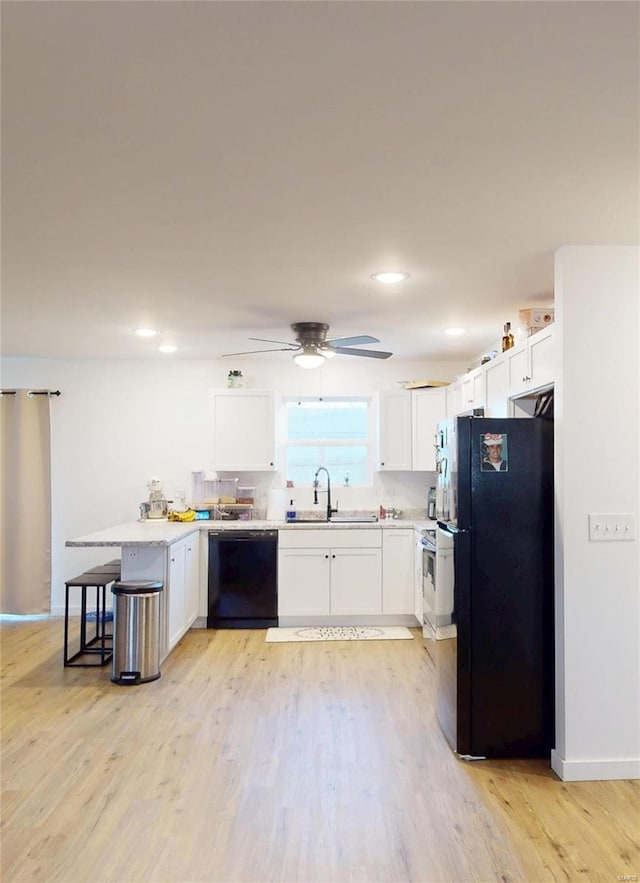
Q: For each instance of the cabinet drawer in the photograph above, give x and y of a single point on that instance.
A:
(330, 537)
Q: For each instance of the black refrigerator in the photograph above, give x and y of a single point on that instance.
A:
(495, 672)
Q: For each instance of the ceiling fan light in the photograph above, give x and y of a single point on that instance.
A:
(327, 352)
(309, 357)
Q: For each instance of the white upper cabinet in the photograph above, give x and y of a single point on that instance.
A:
(472, 390)
(453, 398)
(243, 430)
(532, 364)
(496, 383)
(394, 431)
(428, 409)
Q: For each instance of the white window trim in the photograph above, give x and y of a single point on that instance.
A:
(369, 443)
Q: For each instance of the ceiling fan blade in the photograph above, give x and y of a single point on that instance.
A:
(268, 340)
(280, 349)
(349, 341)
(369, 354)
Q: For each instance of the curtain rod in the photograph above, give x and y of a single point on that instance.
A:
(31, 392)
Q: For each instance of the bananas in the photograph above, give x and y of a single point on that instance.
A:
(187, 515)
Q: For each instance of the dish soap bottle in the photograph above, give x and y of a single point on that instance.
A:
(508, 340)
(291, 512)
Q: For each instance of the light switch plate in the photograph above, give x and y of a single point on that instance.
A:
(612, 526)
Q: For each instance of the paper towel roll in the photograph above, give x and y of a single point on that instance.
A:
(276, 504)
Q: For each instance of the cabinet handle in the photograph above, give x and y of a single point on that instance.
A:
(326, 556)
(382, 464)
(271, 464)
(333, 556)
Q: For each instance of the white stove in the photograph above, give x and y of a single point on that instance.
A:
(437, 583)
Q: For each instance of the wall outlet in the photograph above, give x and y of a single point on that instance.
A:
(608, 526)
(131, 555)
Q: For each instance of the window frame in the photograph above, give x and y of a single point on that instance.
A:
(369, 443)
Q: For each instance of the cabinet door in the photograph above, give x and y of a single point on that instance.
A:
(394, 430)
(428, 409)
(192, 579)
(497, 388)
(243, 430)
(542, 358)
(453, 398)
(356, 581)
(518, 366)
(303, 582)
(176, 593)
(398, 571)
(473, 390)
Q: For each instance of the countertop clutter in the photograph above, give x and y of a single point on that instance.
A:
(165, 533)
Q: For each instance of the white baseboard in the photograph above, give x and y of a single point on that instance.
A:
(594, 770)
(389, 619)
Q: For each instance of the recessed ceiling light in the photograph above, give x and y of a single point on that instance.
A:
(146, 332)
(454, 332)
(389, 277)
(167, 348)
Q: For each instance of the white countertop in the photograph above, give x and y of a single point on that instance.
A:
(164, 533)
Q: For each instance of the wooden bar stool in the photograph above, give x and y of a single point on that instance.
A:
(100, 645)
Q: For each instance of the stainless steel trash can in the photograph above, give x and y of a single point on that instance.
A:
(136, 631)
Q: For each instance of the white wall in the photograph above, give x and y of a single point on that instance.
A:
(597, 470)
(117, 423)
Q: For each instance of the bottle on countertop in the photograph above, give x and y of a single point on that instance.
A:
(291, 511)
(508, 340)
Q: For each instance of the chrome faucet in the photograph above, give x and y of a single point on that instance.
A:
(316, 484)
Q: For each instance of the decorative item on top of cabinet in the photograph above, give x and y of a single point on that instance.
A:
(243, 430)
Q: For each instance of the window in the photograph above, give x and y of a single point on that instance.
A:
(331, 432)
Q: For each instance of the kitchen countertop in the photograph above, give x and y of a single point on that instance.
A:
(164, 533)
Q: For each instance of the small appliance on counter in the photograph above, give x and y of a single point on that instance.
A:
(157, 506)
(431, 504)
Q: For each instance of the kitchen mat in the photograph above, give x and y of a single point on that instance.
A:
(338, 633)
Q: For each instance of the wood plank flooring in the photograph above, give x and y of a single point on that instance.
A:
(304, 763)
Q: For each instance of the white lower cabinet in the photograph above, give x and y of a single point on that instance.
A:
(304, 582)
(177, 568)
(357, 576)
(356, 581)
(182, 588)
(329, 572)
(398, 571)
(175, 593)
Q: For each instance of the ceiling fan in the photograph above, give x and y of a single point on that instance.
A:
(312, 346)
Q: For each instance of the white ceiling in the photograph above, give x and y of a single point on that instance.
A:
(219, 170)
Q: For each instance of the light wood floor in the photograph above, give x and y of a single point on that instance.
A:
(258, 762)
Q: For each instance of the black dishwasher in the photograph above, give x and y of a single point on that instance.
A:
(243, 579)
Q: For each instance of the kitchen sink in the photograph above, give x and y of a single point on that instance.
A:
(307, 521)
